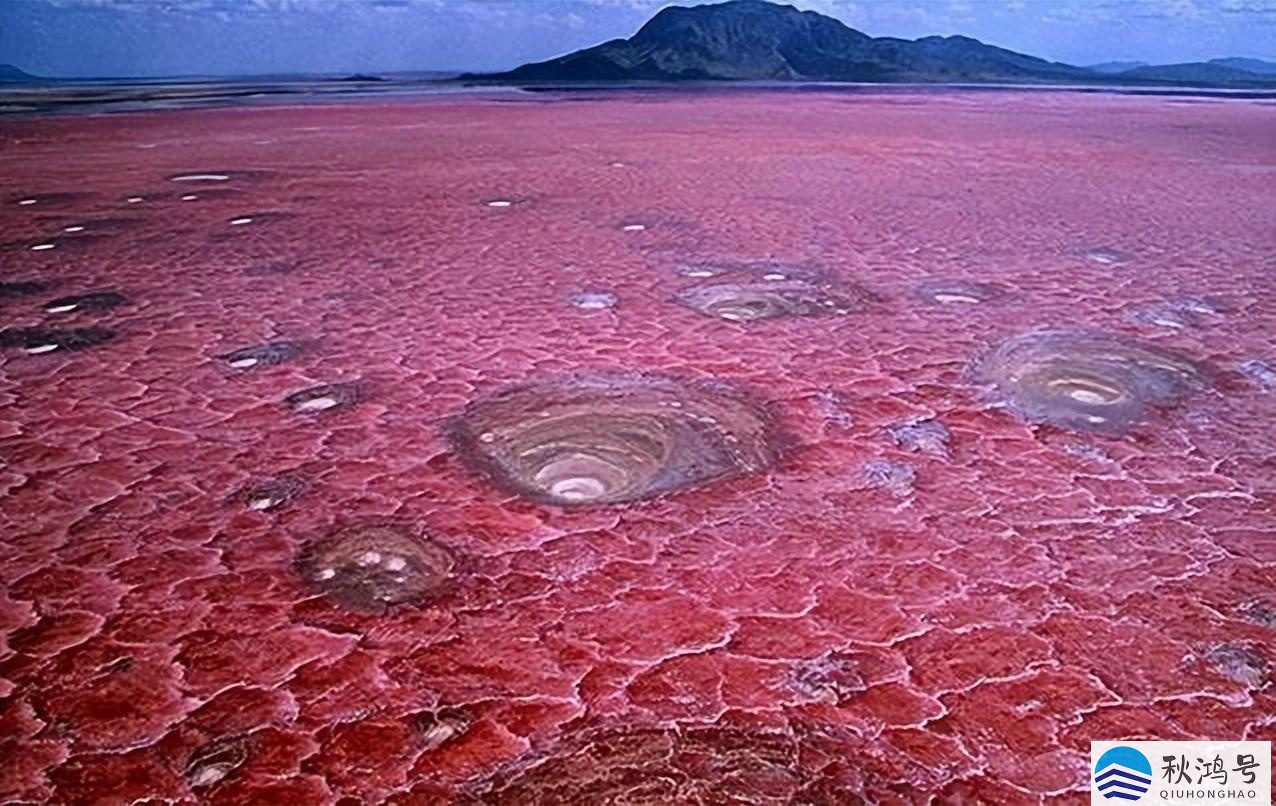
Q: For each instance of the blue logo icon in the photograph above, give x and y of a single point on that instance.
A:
(1124, 773)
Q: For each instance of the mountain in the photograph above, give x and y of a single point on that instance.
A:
(1248, 65)
(1111, 68)
(1195, 73)
(12, 75)
(762, 41)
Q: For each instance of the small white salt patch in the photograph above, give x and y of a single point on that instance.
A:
(325, 573)
(946, 298)
(487, 436)
(634, 227)
(62, 308)
(238, 221)
(395, 563)
(189, 197)
(499, 203)
(774, 276)
(76, 228)
(41, 247)
(1167, 322)
(1086, 396)
(42, 348)
(316, 404)
(201, 178)
(728, 315)
(25, 202)
(1094, 418)
(135, 199)
(699, 273)
(262, 503)
(618, 165)
(369, 558)
(577, 489)
(243, 363)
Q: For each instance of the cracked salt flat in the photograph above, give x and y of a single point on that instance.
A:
(189, 617)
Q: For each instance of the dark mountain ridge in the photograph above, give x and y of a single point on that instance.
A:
(761, 41)
(13, 75)
(754, 40)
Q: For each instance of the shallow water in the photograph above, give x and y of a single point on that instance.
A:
(275, 532)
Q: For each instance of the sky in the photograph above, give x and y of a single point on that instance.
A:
(117, 38)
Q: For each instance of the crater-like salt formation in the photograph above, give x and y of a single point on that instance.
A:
(708, 765)
(216, 761)
(374, 567)
(271, 494)
(1086, 380)
(611, 439)
(325, 397)
(774, 298)
(437, 728)
(92, 301)
(947, 292)
(1258, 371)
(1107, 255)
(928, 436)
(262, 355)
(593, 300)
(1242, 663)
(37, 340)
(895, 478)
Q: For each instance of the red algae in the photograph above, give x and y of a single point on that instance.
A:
(912, 599)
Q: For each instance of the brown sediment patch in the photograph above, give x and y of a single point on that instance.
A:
(326, 397)
(22, 288)
(609, 439)
(92, 301)
(377, 566)
(710, 764)
(1086, 380)
(39, 340)
(262, 355)
(948, 292)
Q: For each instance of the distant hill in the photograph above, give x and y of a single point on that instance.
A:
(1110, 68)
(760, 41)
(1196, 73)
(13, 75)
(1248, 65)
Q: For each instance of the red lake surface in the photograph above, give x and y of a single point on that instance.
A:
(635, 447)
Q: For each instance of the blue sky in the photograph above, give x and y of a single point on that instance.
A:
(228, 37)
